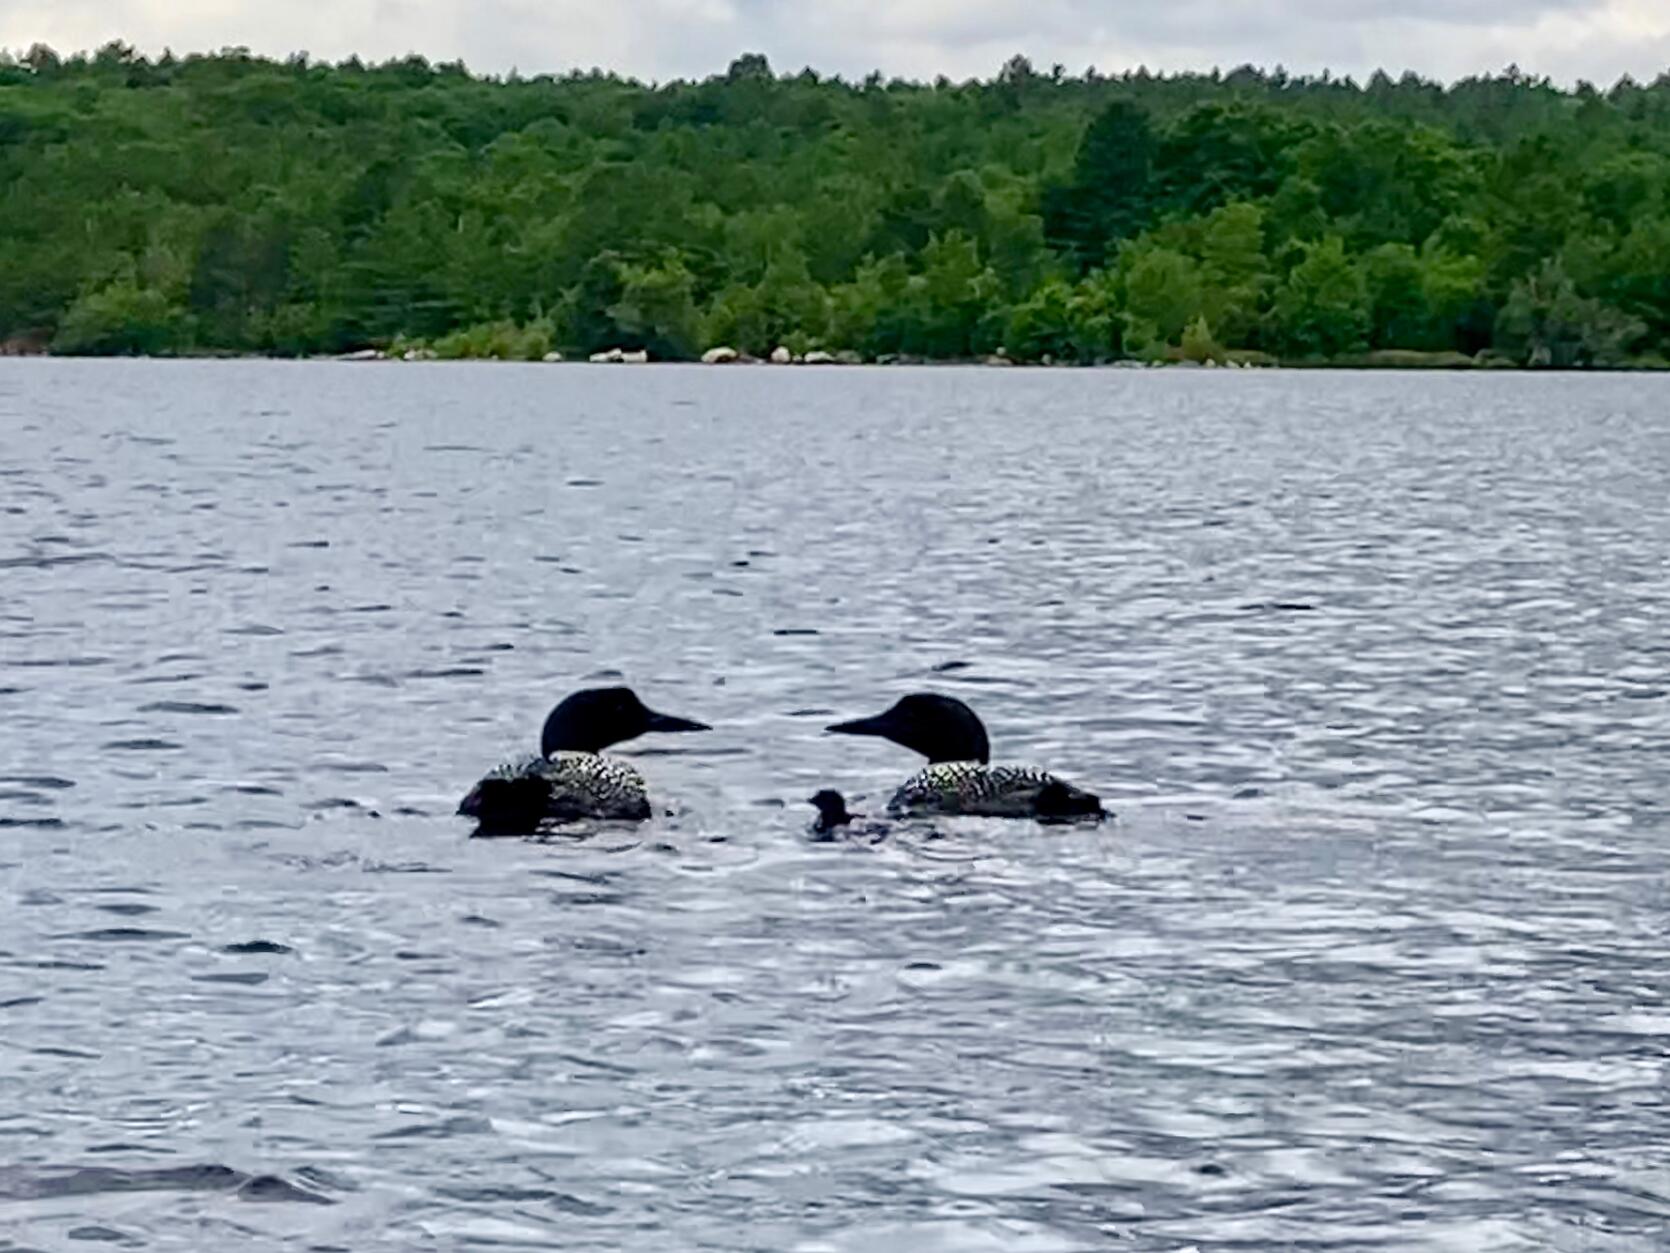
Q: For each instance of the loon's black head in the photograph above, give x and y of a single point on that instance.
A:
(590, 721)
(941, 728)
(832, 810)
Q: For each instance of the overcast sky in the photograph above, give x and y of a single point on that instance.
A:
(658, 39)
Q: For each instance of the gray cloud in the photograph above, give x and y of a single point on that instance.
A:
(659, 39)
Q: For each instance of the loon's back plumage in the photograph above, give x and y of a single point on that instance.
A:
(976, 789)
(575, 785)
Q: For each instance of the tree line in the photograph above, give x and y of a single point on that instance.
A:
(233, 204)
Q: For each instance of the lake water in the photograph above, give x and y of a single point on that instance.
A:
(1373, 668)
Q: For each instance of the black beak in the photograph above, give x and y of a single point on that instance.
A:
(879, 725)
(666, 722)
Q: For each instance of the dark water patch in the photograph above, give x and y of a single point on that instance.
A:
(272, 1189)
(255, 630)
(561, 1202)
(403, 867)
(257, 946)
(247, 978)
(349, 767)
(336, 802)
(446, 672)
(127, 909)
(67, 663)
(47, 563)
(446, 1129)
(142, 744)
(309, 543)
(125, 935)
(9, 822)
(796, 631)
(35, 1183)
(19, 1002)
(177, 676)
(102, 1235)
(187, 707)
(254, 789)
(582, 899)
(584, 483)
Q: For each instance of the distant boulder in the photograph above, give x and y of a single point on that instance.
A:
(722, 355)
(781, 356)
(819, 357)
(552, 357)
(637, 357)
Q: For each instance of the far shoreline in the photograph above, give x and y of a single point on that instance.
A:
(1362, 363)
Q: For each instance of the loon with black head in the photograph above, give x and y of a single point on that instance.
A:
(959, 778)
(571, 778)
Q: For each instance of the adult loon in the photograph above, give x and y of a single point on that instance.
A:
(571, 778)
(958, 778)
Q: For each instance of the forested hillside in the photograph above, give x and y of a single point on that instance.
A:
(232, 204)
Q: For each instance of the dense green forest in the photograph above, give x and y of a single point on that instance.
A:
(230, 203)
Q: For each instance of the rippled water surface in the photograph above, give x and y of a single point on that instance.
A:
(1373, 668)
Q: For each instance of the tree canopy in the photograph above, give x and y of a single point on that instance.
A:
(230, 203)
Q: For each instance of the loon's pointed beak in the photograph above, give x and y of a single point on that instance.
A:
(666, 722)
(880, 725)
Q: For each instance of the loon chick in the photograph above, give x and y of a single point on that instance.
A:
(958, 779)
(571, 778)
(834, 821)
(832, 812)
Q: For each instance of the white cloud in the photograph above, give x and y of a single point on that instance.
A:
(1567, 39)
